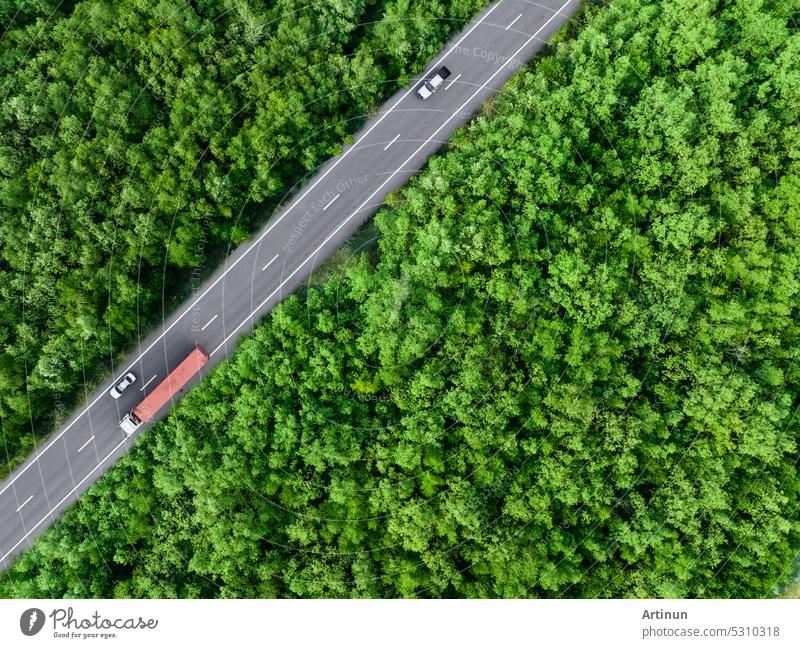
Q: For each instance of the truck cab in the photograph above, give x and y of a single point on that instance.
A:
(130, 423)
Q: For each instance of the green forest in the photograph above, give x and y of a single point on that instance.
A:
(140, 140)
(568, 369)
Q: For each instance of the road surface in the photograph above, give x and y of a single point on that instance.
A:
(343, 194)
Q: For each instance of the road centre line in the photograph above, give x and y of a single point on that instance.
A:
(269, 263)
(453, 81)
(99, 464)
(87, 443)
(392, 142)
(541, 6)
(372, 195)
(63, 499)
(208, 323)
(513, 21)
(331, 202)
(143, 387)
(19, 508)
(280, 217)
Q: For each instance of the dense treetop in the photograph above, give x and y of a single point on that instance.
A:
(570, 369)
(136, 138)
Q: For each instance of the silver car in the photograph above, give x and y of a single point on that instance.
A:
(127, 380)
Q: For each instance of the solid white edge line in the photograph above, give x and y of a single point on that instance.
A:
(63, 499)
(85, 444)
(392, 142)
(515, 20)
(452, 82)
(346, 220)
(143, 387)
(206, 325)
(269, 263)
(78, 485)
(19, 508)
(302, 195)
(523, 46)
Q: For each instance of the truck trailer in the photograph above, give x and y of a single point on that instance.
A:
(164, 391)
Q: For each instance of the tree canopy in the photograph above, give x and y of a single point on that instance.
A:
(140, 140)
(569, 369)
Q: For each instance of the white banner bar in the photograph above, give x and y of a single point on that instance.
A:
(380, 624)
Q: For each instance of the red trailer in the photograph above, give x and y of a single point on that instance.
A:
(165, 391)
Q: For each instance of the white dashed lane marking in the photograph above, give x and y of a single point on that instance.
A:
(143, 387)
(392, 142)
(395, 172)
(253, 246)
(452, 82)
(513, 21)
(24, 503)
(331, 202)
(87, 443)
(270, 262)
(208, 323)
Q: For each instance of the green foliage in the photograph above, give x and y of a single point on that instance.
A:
(138, 137)
(571, 372)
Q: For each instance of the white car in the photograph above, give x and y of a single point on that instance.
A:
(430, 86)
(127, 380)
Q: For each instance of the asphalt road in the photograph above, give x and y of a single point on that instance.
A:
(343, 194)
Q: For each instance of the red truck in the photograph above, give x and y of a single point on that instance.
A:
(165, 391)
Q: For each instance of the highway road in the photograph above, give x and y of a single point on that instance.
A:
(391, 146)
